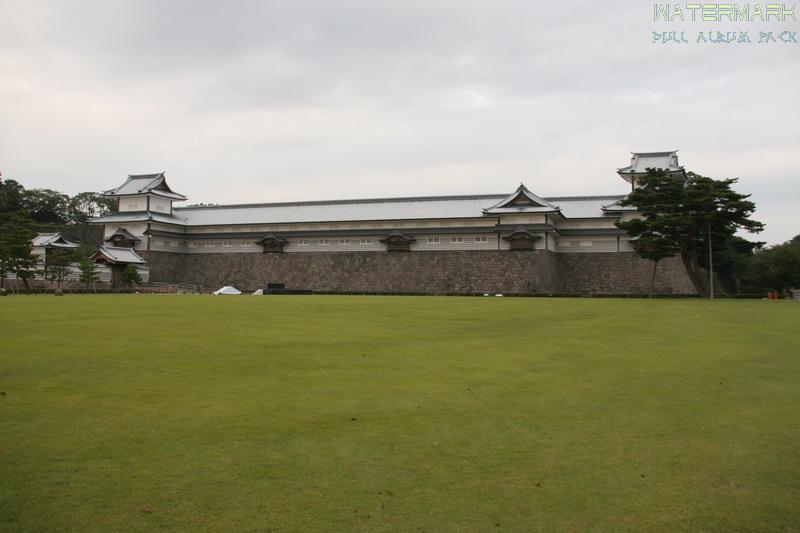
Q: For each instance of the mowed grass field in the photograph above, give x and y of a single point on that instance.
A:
(334, 413)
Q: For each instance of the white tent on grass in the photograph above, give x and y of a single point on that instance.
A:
(227, 289)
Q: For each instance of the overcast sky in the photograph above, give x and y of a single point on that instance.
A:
(293, 100)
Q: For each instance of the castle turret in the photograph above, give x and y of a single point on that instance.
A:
(641, 161)
(143, 199)
(147, 193)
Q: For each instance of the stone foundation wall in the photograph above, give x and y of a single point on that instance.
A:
(472, 271)
(620, 273)
(435, 272)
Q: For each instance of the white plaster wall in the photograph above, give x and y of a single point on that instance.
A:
(325, 226)
(221, 246)
(456, 242)
(160, 205)
(164, 244)
(586, 244)
(133, 203)
(597, 223)
(339, 244)
(522, 219)
(625, 245)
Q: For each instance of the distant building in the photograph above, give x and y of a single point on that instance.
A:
(111, 260)
(323, 244)
(44, 244)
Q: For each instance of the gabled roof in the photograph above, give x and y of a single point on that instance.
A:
(641, 161)
(145, 184)
(396, 235)
(521, 201)
(114, 254)
(271, 238)
(52, 240)
(520, 233)
(125, 234)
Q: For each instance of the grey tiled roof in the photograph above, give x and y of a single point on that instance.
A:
(521, 201)
(144, 184)
(584, 206)
(52, 239)
(124, 234)
(615, 207)
(120, 255)
(136, 216)
(436, 207)
(641, 161)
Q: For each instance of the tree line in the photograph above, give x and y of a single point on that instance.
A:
(46, 206)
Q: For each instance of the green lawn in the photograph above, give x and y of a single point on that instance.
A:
(180, 412)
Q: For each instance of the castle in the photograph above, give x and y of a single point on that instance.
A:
(513, 243)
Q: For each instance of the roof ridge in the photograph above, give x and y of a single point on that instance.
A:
(589, 197)
(152, 175)
(386, 200)
(345, 201)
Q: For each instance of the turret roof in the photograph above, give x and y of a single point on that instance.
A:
(145, 184)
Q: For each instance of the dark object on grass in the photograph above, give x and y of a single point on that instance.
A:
(280, 288)
(59, 292)
(289, 291)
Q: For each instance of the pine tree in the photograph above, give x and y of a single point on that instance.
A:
(16, 237)
(131, 276)
(89, 274)
(58, 266)
(686, 217)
